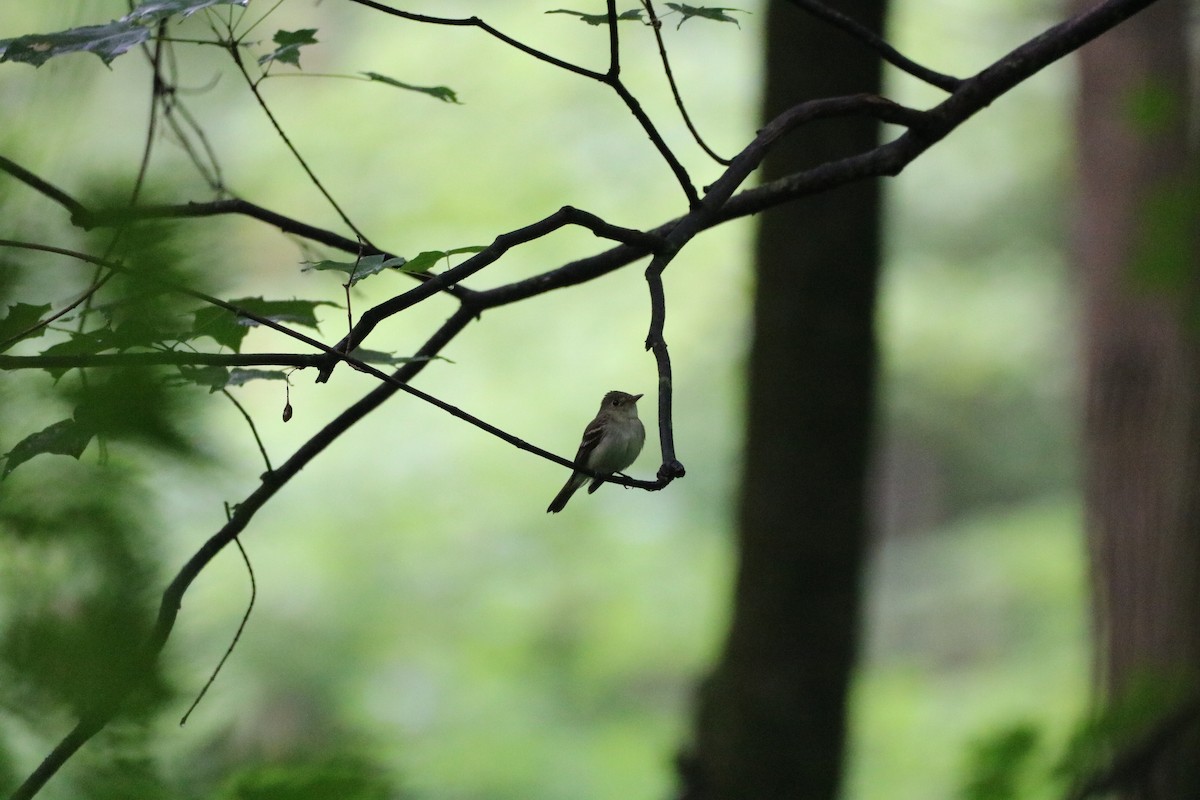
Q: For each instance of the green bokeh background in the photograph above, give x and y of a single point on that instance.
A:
(418, 616)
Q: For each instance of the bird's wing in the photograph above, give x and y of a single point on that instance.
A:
(591, 438)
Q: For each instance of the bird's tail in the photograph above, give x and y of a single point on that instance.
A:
(560, 500)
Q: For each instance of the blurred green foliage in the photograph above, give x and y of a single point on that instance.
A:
(999, 764)
(317, 779)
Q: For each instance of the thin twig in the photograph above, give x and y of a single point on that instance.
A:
(42, 323)
(660, 144)
(656, 26)
(476, 22)
(157, 92)
(42, 186)
(868, 37)
(610, 78)
(237, 59)
(257, 440)
(237, 635)
(350, 282)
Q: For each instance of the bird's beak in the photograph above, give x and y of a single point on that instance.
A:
(637, 397)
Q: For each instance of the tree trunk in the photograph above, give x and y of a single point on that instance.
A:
(771, 719)
(1136, 253)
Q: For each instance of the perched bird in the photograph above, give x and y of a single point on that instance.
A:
(610, 444)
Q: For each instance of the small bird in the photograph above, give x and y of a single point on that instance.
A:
(610, 443)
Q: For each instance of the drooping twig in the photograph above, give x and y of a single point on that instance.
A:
(476, 22)
(262, 449)
(656, 26)
(312, 176)
(237, 636)
(868, 37)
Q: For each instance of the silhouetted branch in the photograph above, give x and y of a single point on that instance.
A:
(43, 186)
(489, 255)
(88, 219)
(84, 730)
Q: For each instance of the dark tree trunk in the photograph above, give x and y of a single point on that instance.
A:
(1137, 257)
(771, 719)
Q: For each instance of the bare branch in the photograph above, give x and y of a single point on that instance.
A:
(489, 255)
(107, 217)
(43, 186)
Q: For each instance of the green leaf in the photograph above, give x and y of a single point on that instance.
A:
(423, 261)
(229, 329)
(222, 326)
(66, 437)
(239, 376)
(132, 404)
(106, 41)
(290, 43)
(212, 378)
(19, 319)
(217, 378)
(81, 344)
(443, 93)
(298, 312)
(380, 357)
(704, 12)
(365, 267)
(999, 765)
(632, 15)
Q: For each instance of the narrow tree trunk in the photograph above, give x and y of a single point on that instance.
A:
(1137, 256)
(772, 715)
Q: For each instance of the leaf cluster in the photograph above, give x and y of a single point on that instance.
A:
(108, 40)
